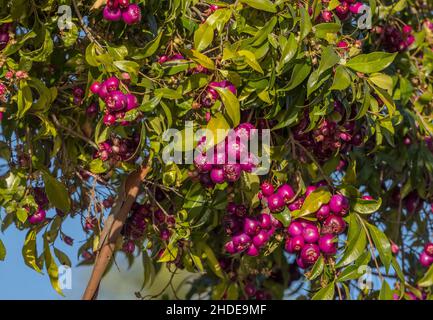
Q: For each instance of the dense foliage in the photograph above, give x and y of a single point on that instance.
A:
(86, 102)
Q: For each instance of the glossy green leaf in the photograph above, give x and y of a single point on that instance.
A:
(371, 62)
(57, 193)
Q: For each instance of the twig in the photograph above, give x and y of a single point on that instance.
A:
(72, 132)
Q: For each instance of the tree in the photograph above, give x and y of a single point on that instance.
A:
(337, 94)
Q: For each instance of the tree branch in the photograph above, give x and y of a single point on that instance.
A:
(113, 226)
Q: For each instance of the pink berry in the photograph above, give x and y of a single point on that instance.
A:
(112, 84)
(323, 212)
(132, 14)
(326, 16)
(334, 224)
(294, 244)
(131, 102)
(310, 234)
(252, 251)
(112, 14)
(309, 190)
(275, 203)
(260, 239)
(116, 101)
(217, 175)
(310, 253)
(295, 229)
(109, 119)
(327, 244)
(356, 7)
(230, 247)
(37, 217)
(265, 221)
(95, 86)
(425, 259)
(428, 249)
(286, 192)
(251, 227)
(394, 248)
(367, 197)
(232, 172)
(267, 188)
(339, 204)
(241, 241)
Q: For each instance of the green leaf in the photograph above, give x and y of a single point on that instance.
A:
(128, 66)
(231, 105)
(283, 216)
(371, 62)
(62, 257)
(367, 206)
(149, 49)
(52, 268)
(200, 58)
(218, 128)
(427, 279)
(57, 193)
(289, 51)
(329, 58)
(326, 293)
(356, 242)
(97, 166)
(385, 291)
(300, 73)
(22, 215)
(317, 269)
(323, 29)
(382, 244)
(24, 99)
(382, 80)
(211, 260)
(313, 202)
(170, 253)
(203, 36)
(264, 5)
(29, 250)
(342, 79)
(251, 60)
(2, 251)
(306, 25)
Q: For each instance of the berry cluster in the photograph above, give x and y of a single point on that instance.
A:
(140, 217)
(426, 257)
(328, 137)
(117, 149)
(395, 39)
(117, 102)
(248, 233)
(116, 10)
(343, 11)
(4, 35)
(209, 97)
(164, 58)
(78, 95)
(310, 239)
(228, 159)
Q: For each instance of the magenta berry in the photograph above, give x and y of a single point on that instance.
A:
(339, 204)
(112, 84)
(309, 190)
(128, 247)
(116, 101)
(131, 102)
(275, 203)
(394, 248)
(267, 188)
(294, 244)
(251, 227)
(250, 289)
(310, 253)
(425, 259)
(217, 175)
(95, 87)
(265, 221)
(112, 14)
(252, 251)
(428, 249)
(310, 234)
(230, 247)
(286, 192)
(323, 212)
(367, 197)
(37, 217)
(123, 3)
(132, 14)
(232, 172)
(326, 16)
(295, 229)
(334, 224)
(109, 119)
(356, 7)
(260, 239)
(241, 241)
(327, 244)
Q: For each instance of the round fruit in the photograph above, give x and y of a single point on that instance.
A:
(275, 202)
(327, 244)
